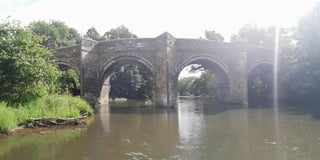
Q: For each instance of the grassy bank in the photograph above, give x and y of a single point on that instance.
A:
(50, 106)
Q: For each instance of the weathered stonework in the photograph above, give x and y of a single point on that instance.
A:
(165, 57)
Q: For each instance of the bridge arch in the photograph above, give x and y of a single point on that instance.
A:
(70, 65)
(219, 69)
(193, 59)
(260, 82)
(110, 66)
(267, 62)
(114, 65)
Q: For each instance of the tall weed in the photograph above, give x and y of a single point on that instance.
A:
(51, 106)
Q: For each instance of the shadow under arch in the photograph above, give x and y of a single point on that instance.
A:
(113, 66)
(199, 58)
(63, 63)
(218, 68)
(262, 62)
(69, 83)
(260, 83)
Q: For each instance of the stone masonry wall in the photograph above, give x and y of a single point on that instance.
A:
(165, 56)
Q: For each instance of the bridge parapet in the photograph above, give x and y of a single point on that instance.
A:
(205, 46)
(123, 45)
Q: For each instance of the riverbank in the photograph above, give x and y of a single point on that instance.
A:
(45, 111)
(24, 130)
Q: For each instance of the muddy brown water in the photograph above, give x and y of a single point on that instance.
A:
(197, 129)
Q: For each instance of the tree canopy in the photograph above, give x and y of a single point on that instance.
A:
(254, 35)
(26, 71)
(299, 56)
(305, 71)
(119, 33)
(213, 35)
(56, 34)
(204, 85)
(132, 82)
(93, 34)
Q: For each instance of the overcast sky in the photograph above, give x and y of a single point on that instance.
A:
(150, 18)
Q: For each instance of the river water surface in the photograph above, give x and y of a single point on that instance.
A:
(196, 129)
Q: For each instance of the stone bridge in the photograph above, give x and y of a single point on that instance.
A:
(164, 56)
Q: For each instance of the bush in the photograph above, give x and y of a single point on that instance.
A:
(26, 72)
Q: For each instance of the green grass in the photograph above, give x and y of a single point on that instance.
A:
(53, 106)
(8, 118)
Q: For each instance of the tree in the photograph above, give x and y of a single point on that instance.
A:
(131, 82)
(26, 71)
(119, 33)
(212, 35)
(56, 34)
(204, 85)
(305, 64)
(254, 35)
(93, 34)
(199, 86)
(70, 82)
(185, 86)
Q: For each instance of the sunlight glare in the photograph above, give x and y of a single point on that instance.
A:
(275, 94)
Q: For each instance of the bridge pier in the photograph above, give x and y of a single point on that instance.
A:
(166, 89)
(166, 92)
(237, 76)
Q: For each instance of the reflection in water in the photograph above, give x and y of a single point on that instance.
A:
(197, 129)
(104, 117)
(190, 126)
(35, 146)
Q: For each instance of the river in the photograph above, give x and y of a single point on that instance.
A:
(197, 129)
